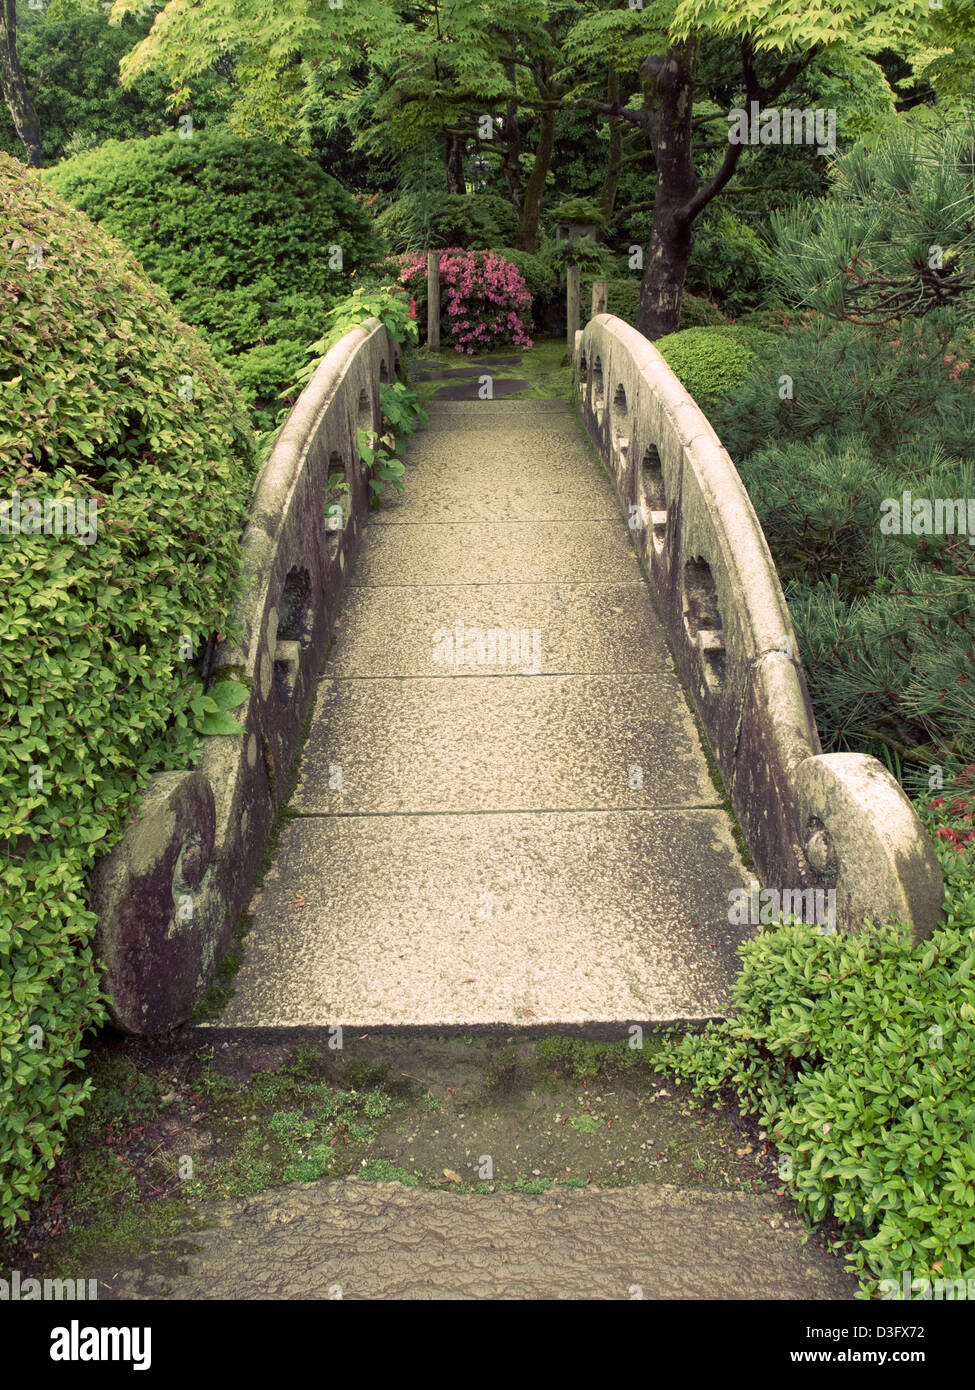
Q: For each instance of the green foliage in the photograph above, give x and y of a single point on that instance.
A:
(891, 672)
(537, 275)
(419, 220)
(729, 263)
(577, 210)
(885, 622)
(593, 257)
(388, 303)
(696, 312)
(97, 689)
(710, 361)
(895, 236)
(251, 241)
(69, 55)
(856, 1053)
(402, 413)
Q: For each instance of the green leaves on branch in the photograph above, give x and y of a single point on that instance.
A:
(212, 709)
(896, 236)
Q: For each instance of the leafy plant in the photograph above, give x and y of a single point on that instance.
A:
(251, 240)
(96, 635)
(213, 708)
(855, 1052)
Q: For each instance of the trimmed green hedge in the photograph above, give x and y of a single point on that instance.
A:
(242, 234)
(710, 361)
(106, 397)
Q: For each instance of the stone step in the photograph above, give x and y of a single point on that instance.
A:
(422, 553)
(353, 1240)
(572, 629)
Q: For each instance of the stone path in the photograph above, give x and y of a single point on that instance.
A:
(534, 841)
(380, 1240)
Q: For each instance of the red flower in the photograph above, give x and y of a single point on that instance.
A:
(412, 308)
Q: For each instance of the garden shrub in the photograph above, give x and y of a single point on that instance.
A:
(242, 233)
(468, 220)
(729, 264)
(892, 672)
(885, 622)
(698, 312)
(484, 300)
(541, 280)
(105, 394)
(885, 384)
(856, 1053)
(710, 361)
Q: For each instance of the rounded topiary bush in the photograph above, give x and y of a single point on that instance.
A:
(252, 242)
(113, 408)
(711, 360)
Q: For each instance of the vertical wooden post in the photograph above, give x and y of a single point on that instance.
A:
(599, 294)
(572, 306)
(433, 301)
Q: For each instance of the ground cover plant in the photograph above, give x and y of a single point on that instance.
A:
(856, 1053)
(103, 628)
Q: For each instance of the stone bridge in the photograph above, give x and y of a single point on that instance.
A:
(556, 726)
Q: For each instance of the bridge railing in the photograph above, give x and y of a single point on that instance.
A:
(171, 892)
(810, 819)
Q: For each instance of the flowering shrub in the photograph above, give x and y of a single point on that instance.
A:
(484, 298)
(951, 817)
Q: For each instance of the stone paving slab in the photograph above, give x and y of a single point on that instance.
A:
(511, 492)
(471, 390)
(592, 629)
(426, 920)
(548, 743)
(506, 553)
(354, 1240)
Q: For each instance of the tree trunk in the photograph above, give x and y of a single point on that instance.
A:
(668, 91)
(453, 158)
(15, 93)
(530, 208)
(615, 165)
(511, 152)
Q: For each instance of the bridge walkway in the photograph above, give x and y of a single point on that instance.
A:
(526, 842)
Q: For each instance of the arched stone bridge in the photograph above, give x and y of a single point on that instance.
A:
(534, 661)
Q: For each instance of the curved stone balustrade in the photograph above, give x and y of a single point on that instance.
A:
(810, 820)
(170, 893)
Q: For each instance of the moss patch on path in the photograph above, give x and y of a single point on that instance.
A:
(174, 1123)
(541, 366)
